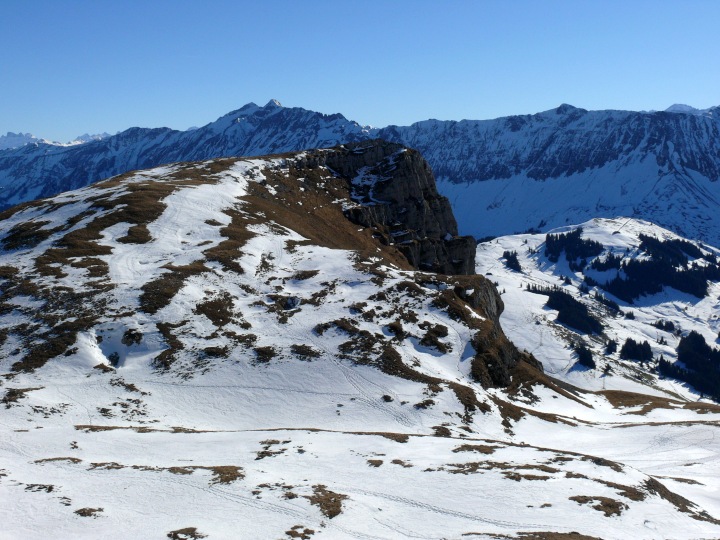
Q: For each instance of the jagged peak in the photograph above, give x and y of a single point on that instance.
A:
(249, 106)
(19, 134)
(273, 104)
(566, 108)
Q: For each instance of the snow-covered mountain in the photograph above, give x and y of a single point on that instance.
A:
(15, 140)
(689, 109)
(86, 137)
(604, 279)
(559, 167)
(255, 348)
(40, 170)
(569, 165)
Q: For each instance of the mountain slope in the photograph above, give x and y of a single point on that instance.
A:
(569, 165)
(40, 170)
(503, 176)
(661, 317)
(188, 351)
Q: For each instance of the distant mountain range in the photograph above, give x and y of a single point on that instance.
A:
(512, 174)
(16, 140)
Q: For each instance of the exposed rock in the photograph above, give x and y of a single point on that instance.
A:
(396, 194)
(495, 356)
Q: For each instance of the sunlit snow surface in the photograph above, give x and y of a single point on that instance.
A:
(325, 448)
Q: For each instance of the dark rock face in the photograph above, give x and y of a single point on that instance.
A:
(495, 356)
(396, 195)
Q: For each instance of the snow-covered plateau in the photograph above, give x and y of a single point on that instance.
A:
(214, 349)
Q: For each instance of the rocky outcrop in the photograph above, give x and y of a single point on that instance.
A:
(495, 356)
(396, 195)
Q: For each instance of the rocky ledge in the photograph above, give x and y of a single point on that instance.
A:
(396, 195)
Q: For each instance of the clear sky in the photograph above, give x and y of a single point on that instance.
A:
(69, 67)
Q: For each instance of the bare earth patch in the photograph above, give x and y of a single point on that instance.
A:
(329, 502)
(188, 533)
(89, 512)
(68, 459)
(479, 448)
(610, 507)
(13, 395)
(300, 531)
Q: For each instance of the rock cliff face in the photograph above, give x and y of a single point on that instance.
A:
(396, 195)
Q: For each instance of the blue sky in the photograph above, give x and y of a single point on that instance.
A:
(69, 67)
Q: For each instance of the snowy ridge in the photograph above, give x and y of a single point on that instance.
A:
(15, 140)
(531, 325)
(241, 368)
(504, 176)
(30, 172)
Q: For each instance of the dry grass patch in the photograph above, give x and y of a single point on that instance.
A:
(137, 234)
(53, 459)
(479, 448)
(13, 395)
(89, 512)
(433, 333)
(304, 352)
(167, 357)
(158, 293)
(679, 502)
(267, 452)
(107, 465)
(682, 480)
(37, 488)
(301, 532)
(329, 502)
(96, 268)
(26, 235)
(236, 236)
(610, 507)
(302, 275)
(702, 408)
(620, 399)
(219, 310)
(8, 272)
(628, 492)
(602, 462)
(187, 533)
(223, 474)
(263, 355)
(540, 535)
(126, 386)
(520, 476)
(397, 437)
(104, 368)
